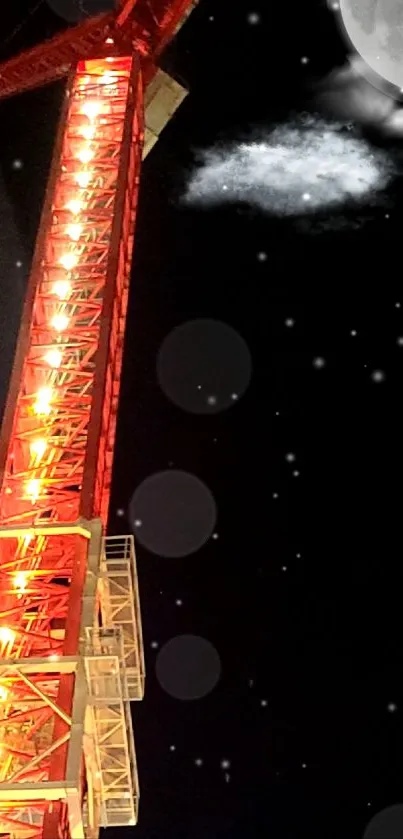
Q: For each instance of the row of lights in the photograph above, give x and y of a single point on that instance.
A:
(62, 288)
(59, 322)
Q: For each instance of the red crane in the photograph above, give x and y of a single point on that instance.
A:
(71, 650)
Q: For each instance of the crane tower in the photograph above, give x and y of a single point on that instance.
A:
(71, 650)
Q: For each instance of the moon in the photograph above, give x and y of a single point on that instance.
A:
(375, 30)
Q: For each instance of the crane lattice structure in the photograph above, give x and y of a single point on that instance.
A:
(71, 649)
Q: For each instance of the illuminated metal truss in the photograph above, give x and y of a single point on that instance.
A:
(92, 742)
(59, 459)
(120, 607)
(71, 648)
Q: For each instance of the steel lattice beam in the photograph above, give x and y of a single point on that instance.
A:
(71, 649)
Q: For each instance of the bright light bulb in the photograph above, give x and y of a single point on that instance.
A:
(3, 693)
(83, 179)
(68, 260)
(6, 635)
(74, 231)
(87, 131)
(59, 322)
(53, 358)
(91, 109)
(20, 580)
(75, 206)
(106, 78)
(32, 489)
(38, 447)
(62, 288)
(43, 398)
(85, 155)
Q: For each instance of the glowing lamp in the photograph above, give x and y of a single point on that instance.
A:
(107, 78)
(75, 206)
(20, 580)
(69, 260)
(87, 131)
(7, 635)
(83, 179)
(91, 109)
(43, 398)
(85, 155)
(59, 322)
(32, 489)
(74, 231)
(38, 447)
(61, 289)
(53, 358)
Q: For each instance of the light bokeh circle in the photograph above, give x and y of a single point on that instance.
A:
(188, 667)
(204, 366)
(173, 513)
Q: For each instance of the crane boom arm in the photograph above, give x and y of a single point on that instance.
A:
(52, 60)
(140, 26)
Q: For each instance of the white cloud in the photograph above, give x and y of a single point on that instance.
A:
(302, 167)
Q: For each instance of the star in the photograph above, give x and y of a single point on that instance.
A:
(172, 748)
(295, 473)
(400, 342)
(179, 602)
(290, 457)
(262, 256)
(137, 522)
(120, 511)
(275, 494)
(318, 363)
(353, 332)
(17, 164)
(304, 59)
(154, 645)
(392, 707)
(289, 322)
(198, 761)
(225, 763)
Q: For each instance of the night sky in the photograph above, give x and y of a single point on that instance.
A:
(259, 454)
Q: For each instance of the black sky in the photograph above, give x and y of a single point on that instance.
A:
(300, 594)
